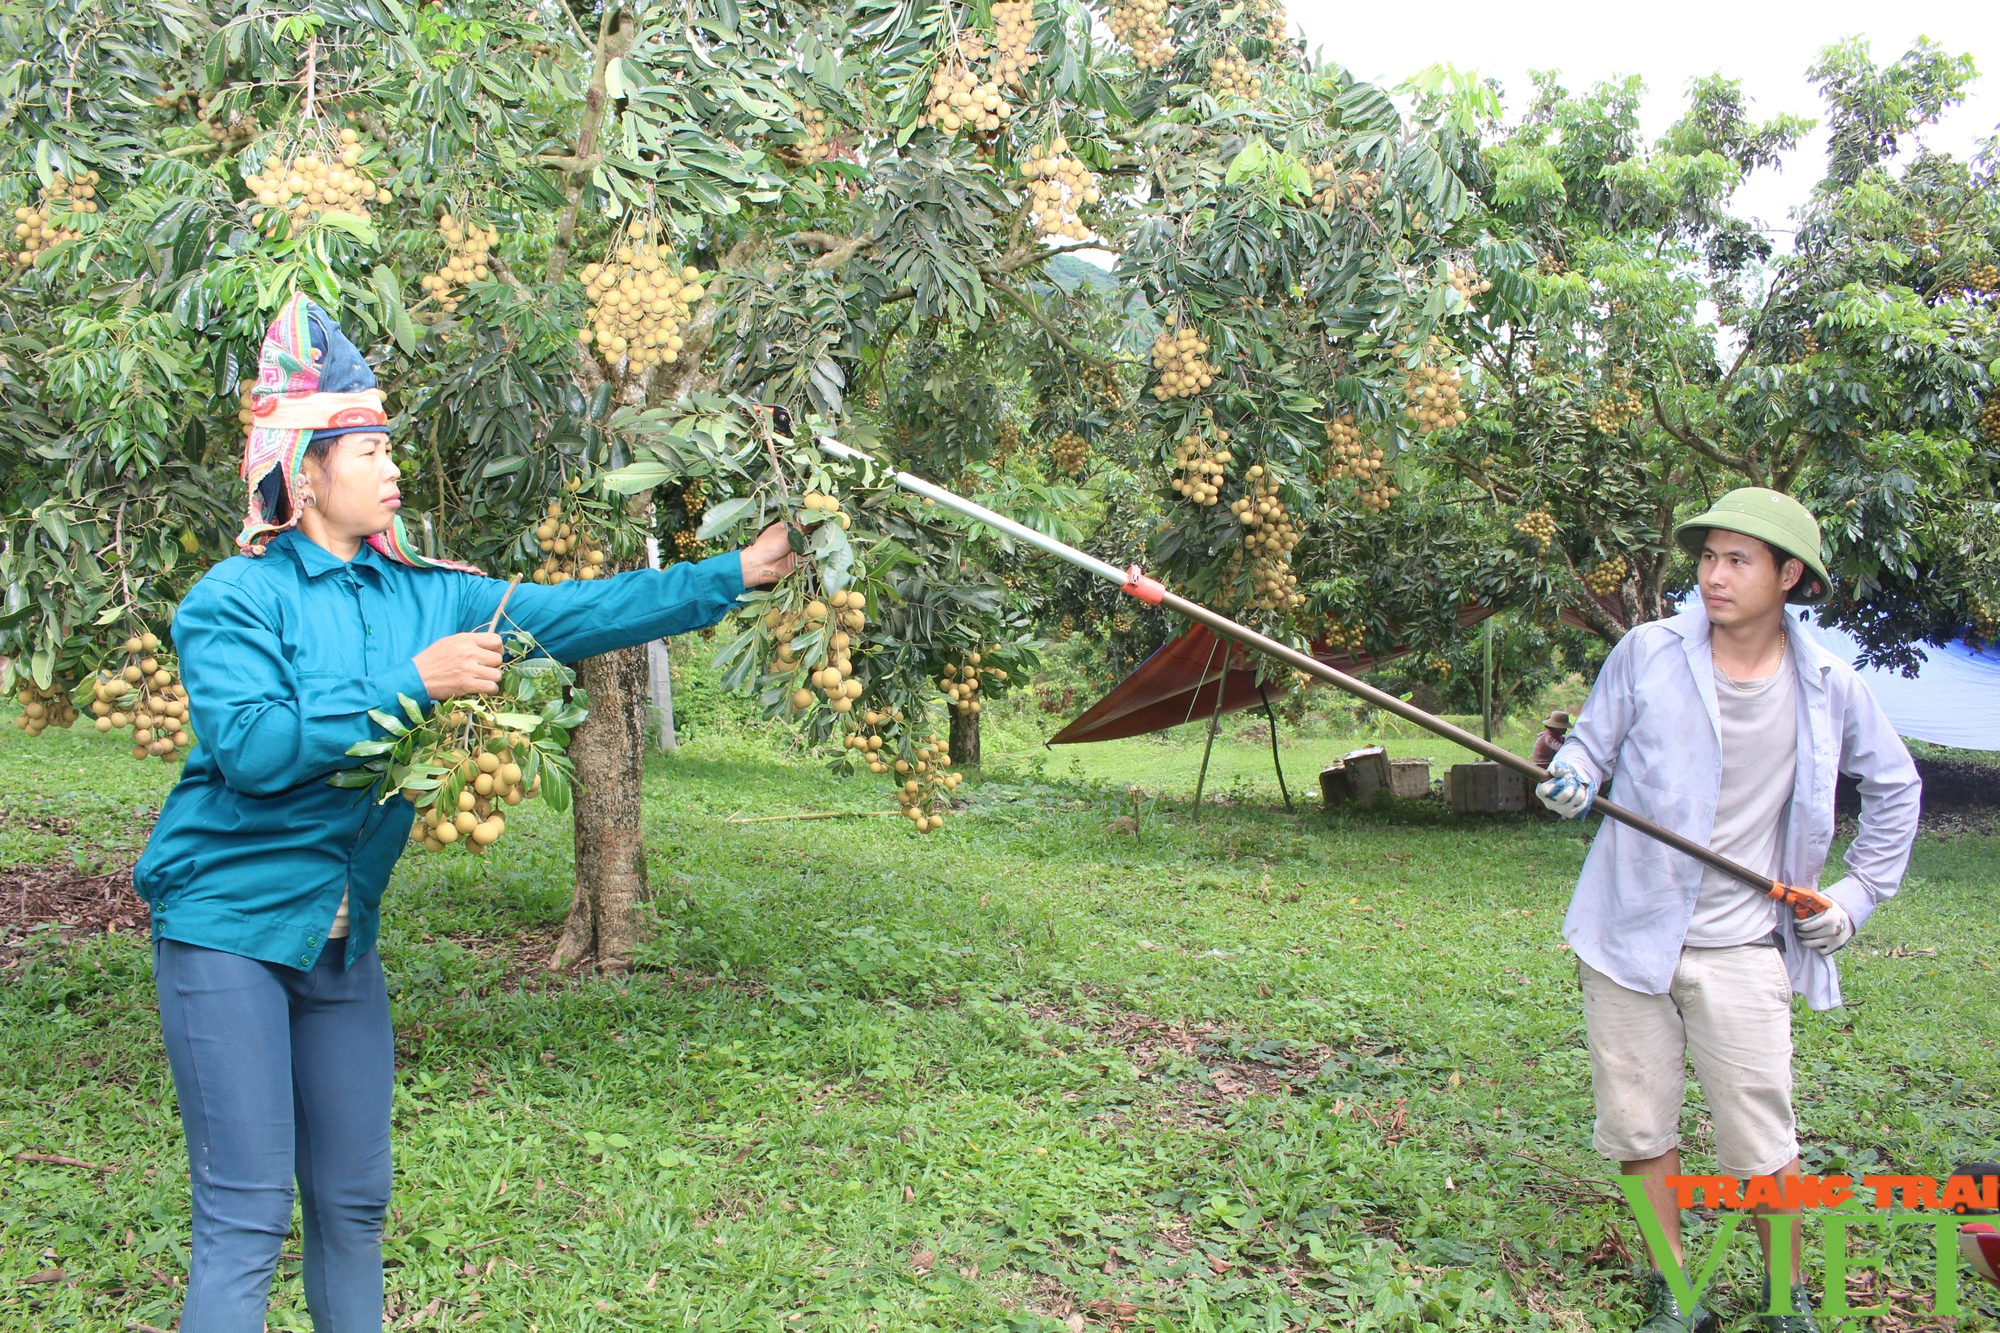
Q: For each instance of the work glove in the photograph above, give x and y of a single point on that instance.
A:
(1827, 931)
(1567, 792)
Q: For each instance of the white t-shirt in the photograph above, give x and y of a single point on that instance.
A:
(1760, 759)
(338, 930)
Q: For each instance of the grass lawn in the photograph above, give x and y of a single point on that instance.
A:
(1053, 1066)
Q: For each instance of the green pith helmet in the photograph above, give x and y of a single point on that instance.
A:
(1771, 516)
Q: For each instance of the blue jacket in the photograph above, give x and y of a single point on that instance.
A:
(283, 656)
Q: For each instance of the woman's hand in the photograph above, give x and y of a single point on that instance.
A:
(769, 558)
(461, 664)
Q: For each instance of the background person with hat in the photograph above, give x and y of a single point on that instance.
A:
(1729, 725)
(265, 882)
(1555, 730)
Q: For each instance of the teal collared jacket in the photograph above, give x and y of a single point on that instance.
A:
(283, 655)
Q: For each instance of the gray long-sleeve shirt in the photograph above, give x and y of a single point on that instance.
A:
(1653, 723)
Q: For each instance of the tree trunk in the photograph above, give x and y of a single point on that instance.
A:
(964, 739)
(609, 751)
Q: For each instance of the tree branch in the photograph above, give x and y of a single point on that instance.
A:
(610, 45)
(1741, 462)
(1027, 307)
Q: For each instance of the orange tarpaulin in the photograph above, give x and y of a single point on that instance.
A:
(1180, 682)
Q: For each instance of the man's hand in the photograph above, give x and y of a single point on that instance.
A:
(769, 558)
(461, 664)
(1567, 792)
(1827, 931)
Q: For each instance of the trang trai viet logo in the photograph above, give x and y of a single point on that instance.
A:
(1839, 1204)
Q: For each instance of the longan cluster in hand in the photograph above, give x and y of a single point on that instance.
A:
(1142, 26)
(569, 549)
(1060, 188)
(1230, 75)
(841, 618)
(1614, 411)
(1537, 525)
(1336, 187)
(1359, 459)
(1202, 466)
(37, 228)
(1606, 578)
(960, 99)
(1432, 391)
(1989, 421)
(1468, 284)
(146, 695)
(638, 301)
(484, 768)
(1070, 453)
(316, 184)
(1177, 353)
(469, 247)
(42, 709)
(961, 682)
(1013, 30)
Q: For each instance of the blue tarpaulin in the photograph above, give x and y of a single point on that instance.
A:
(1954, 699)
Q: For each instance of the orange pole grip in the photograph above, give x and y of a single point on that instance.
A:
(1804, 902)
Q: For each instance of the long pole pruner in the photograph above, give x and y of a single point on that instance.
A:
(1804, 902)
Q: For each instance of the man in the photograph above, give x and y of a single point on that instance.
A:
(1555, 729)
(1727, 724)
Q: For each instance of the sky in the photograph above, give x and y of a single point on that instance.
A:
(1768, 46)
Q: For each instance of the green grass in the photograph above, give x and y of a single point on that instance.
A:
(1250, 1071)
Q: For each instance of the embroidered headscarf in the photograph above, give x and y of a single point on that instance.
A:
(312, 383)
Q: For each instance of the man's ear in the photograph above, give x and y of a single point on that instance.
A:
(1794, 569)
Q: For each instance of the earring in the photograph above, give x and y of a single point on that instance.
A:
(309, 500)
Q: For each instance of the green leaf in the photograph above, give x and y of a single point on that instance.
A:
(518, 721)
(635, 477)
(720, 518)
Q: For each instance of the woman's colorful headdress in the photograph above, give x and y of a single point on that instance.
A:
(311, 382)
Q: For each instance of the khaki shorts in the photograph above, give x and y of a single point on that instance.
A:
(1730, 1010)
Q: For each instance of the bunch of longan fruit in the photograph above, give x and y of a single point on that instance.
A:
(1607, 577)
(1358, 459)
(1202, 466)
(1432, 390)
(1009, 442)
(1989, 421)
(146, 695)
(961, 682)
(569, 549)
(838, 621)
(470, 245)
(1229, 75)
(927, 783)
(639, 302)
(1177, 354)
(482, 774)
(1142, 26)
(1060, 188)
(1615, 410)
(36, 228)
(1070, 453)
(1334, 187)
(1350, 636)
(818, 145)
(1013, 31)
(1468, 284)
(42, 709)
(1268, 543)
(315, 183)
(870, 744)
(959, 99)
(1537, 525)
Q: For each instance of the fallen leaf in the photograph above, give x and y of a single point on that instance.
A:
(46, 1275)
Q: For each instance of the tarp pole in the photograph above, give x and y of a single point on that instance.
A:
(1803, 901)
(1272, 719)
(1214, 722)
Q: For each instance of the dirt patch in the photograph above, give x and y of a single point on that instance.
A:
(1229, 1067)
(72, 901)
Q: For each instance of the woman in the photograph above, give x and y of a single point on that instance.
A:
(264, 881)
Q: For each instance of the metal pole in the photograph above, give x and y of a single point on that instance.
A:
(1214, 722)
(1272, 718)
(1803, 901)
(1486, 684)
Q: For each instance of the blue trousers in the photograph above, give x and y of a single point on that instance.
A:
(281, 1074)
